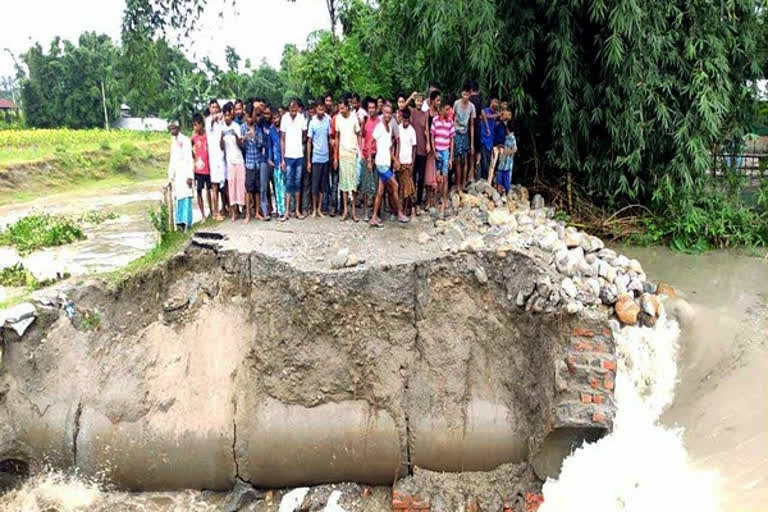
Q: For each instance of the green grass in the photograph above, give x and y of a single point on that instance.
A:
(41, 230)
(25, 146)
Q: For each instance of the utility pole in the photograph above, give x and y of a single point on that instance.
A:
(104, 102)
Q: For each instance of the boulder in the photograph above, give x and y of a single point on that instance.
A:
(627, 310)
(665, 289)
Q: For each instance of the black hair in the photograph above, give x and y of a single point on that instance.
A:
(258, 99)
(401, 95)
(320, 104)
(207, 112)
(197, 118)
(382, 98)
(494, 96)
(213, 101)
(345, 100)
(228, 107)
(238, 100)
(328, 95)
(356, 96)
(433, 95)
(249, 109)
(511, 125)
(297, 101)
(435, 84)
(367, 101)
(300, 103)
(405, 113)
(466, 87)
(474, 86)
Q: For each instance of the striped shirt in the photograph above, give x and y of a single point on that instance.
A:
(443, 131)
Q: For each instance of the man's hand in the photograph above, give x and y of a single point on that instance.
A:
(429, 148)
(282, 164)
(336, 163)
(309, 167)
(271, 163)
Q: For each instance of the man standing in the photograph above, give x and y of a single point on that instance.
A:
(292, 130)
(318, 148)
(331, 185)
(464, 117)
(347, 128)
(368, 180)
(433, 86)
(202, 165)
(384, 149)
(180, 175)
(274, 156)
(487, 129)
(213, 127)
(420, 123)
(477, 101)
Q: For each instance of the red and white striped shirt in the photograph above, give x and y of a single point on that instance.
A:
(443, 131)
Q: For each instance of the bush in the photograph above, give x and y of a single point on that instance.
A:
(41, 230)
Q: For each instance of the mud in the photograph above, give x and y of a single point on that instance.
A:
(239, 360)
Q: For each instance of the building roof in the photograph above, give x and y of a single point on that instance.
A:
(7, 104)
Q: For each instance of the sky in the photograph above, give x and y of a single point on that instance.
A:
(28, 21)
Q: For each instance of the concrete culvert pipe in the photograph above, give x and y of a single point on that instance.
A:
(227, 364)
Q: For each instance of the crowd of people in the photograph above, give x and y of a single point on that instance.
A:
(253, 160)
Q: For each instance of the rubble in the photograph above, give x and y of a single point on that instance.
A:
(591, 274)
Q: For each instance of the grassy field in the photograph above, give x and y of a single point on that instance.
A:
(34, 163)
(25, 146)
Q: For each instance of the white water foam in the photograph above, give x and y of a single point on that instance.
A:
(641, 466)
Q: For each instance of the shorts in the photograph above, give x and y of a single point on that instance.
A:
(293, 171)
(461, 144)
(385, 173)
(504, 178)
(202, 181)
(251, 180)
(443, 159)
(319, 177)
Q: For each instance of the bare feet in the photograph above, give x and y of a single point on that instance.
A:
(321, 214)
(247, 218)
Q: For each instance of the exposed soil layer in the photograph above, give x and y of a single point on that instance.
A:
(233, 362)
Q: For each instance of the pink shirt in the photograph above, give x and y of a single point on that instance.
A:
(443, 131)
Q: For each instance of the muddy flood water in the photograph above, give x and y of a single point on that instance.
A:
(719, 388)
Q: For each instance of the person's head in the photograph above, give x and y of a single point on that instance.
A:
(198, 124)
(494, 103)
(434, 86)
(320, 109)
(344, 107)
(311, 109)
(267, 114)
(418, 100)
(405, 116)
(355, 101)
(229, 112)
(444, 110)
(214, 107)
(280, 111)
(239, 109)
(379, 103)
(370, 106)
(506, 114)
(328, 101)
(510, 126)
(293, 107)
(504, 105)
(386, 111)
(474, 86)
(173, 127)
(434, 99)
(465, 92)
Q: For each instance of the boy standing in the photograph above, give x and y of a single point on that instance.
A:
(274, 162)
(419, 121)
(253, 144)
(213, 124)
(292, 130)
(464, 115)
(507, 160)
(347, 128)
(384, 150)
(443, 132)
(232, 145)
(180, 173)
(406, 155)
(368, 180)
(318, 146)
(202, 166)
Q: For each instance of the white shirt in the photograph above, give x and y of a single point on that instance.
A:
(181, 166)
(233, 154)
(293, 128)
(215, 154)
(383, 139)
(347, 128)
(407, 141)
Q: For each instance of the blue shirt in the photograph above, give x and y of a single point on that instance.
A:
(319, 131)
(487, 128)
(499, 133)
(254, 146)
(508, 161)
(274, 145)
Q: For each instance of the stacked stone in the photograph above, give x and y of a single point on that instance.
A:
(589, 274)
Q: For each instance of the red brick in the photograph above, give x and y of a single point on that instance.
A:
(599, 418)
(606, 332)
(583, 346)
(406, 503)
(598, 398)
(608, 384)
(586, 398)
(594, 383)
(609, 365)
(587, 333)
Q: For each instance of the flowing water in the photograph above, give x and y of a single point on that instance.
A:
(690, 427)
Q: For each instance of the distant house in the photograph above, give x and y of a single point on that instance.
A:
(142, 124)
(7, 106)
